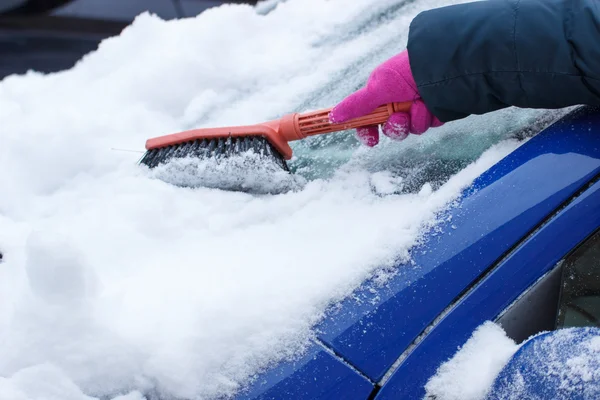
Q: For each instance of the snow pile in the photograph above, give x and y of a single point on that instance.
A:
(127, 282)
(115, 283)
(470, 373)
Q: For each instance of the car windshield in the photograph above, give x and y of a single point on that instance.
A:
(114, 281)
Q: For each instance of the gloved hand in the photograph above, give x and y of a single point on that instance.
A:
(390, 82)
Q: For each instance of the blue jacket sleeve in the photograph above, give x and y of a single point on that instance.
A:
(479, 57)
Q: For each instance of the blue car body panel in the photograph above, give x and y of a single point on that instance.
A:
(536, 256)
(503, 205)
(317, 375)
(470, 268)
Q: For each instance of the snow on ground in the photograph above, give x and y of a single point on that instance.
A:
(115, 283)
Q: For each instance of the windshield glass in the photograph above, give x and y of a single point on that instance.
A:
(186, 292)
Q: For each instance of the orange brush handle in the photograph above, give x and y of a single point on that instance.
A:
(279, 132)
(298, 126)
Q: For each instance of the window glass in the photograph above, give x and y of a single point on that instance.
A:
(580, 287)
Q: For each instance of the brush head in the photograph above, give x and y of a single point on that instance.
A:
(250, 158)
(243, 164)
(215, 149)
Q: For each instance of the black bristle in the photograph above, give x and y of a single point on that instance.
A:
(225, 145)
(258, 147)
(194, 148)
(233, 147)
(218, 148)
(149, 156)
(202, 150)
(179, 150)
(155, 160)
(236, 148)
(244, 144)
(159, 156)
(169, 153)
(210, 148)
(183, 150)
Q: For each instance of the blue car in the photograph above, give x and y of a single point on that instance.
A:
(522, 248)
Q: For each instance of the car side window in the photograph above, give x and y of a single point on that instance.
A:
(579, 303)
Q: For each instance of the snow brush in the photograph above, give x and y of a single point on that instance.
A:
(269, 139)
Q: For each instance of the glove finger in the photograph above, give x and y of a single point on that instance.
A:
(436, 122)
(420, 117)
(355, 105)
(368, 135)
(397, 126)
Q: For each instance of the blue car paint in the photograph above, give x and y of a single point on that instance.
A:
(316, 375)
(503, 205)
(533, 258)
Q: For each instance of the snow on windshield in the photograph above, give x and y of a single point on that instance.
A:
(116, 283)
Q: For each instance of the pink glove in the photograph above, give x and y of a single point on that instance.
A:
(390, 82)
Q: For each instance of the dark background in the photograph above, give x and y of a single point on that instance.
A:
(51, 35)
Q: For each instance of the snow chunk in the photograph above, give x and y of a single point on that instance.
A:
(384, 182)
(247, 172)
(470, 373)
